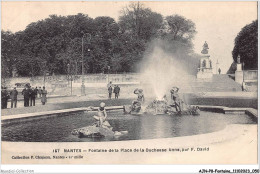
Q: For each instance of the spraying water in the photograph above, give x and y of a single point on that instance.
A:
(161, 71)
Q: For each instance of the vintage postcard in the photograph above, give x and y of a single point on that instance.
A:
(119, 82)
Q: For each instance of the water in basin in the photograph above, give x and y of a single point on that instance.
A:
(58, 128)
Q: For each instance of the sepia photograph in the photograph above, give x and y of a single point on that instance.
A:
(129, 82)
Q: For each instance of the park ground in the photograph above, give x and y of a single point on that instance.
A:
(228, 99)
(236, 144)
(220, 91)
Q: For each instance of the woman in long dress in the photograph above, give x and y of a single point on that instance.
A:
(44, 96)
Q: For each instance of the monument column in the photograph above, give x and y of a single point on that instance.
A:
(239, 72)
(205, 69)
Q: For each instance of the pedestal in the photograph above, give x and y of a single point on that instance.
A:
(239, 77)
(239, 67)
(205, 67)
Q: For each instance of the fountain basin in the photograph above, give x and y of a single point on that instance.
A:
(58, 128)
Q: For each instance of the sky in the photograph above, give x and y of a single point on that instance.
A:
(218, 23)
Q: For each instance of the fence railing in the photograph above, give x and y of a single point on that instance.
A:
(88, 78)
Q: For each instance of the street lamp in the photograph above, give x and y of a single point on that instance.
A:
(82, 76)
(108, 68)
(44, 66)
(243, 64)
(70, 77)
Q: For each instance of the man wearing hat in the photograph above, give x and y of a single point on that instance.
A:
(33, 94)
(26, 95)
(13, 96)
(110, 89)
(4, 98)
(116, 91)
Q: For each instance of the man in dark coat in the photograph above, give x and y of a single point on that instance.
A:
(219, 71)
(30, 95)
(36, 92)
(33, 94)
(13, 96)
(4, 98)
(116, 91)
(110, 90)
(26, 95)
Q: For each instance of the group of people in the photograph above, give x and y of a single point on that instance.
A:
(110, 90)
(29, 93)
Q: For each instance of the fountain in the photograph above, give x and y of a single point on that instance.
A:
(100, 128)
(157, 107)
(160, 71)
(161, 107)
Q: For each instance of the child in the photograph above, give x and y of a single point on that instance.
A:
(175, 97)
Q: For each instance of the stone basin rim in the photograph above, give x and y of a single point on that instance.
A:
(249, 111)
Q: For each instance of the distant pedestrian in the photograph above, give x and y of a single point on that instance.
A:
(116, 91)
(219, 71)
(36, 92)
(32, 96)
(110, 90)
(109, 84)
(40, 92)
(26, 96)
(4, 98)
(44, 96)
(13, 96)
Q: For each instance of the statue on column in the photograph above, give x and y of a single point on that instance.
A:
(238, 59)
(205, 48)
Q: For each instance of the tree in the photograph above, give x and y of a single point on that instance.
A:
(177, 34)
(59, 40)
(180, 28)
(139, 21)
(8, 52)
(246, 44)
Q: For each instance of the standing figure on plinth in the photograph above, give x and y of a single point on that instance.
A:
(205, 48)
(238, 59)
